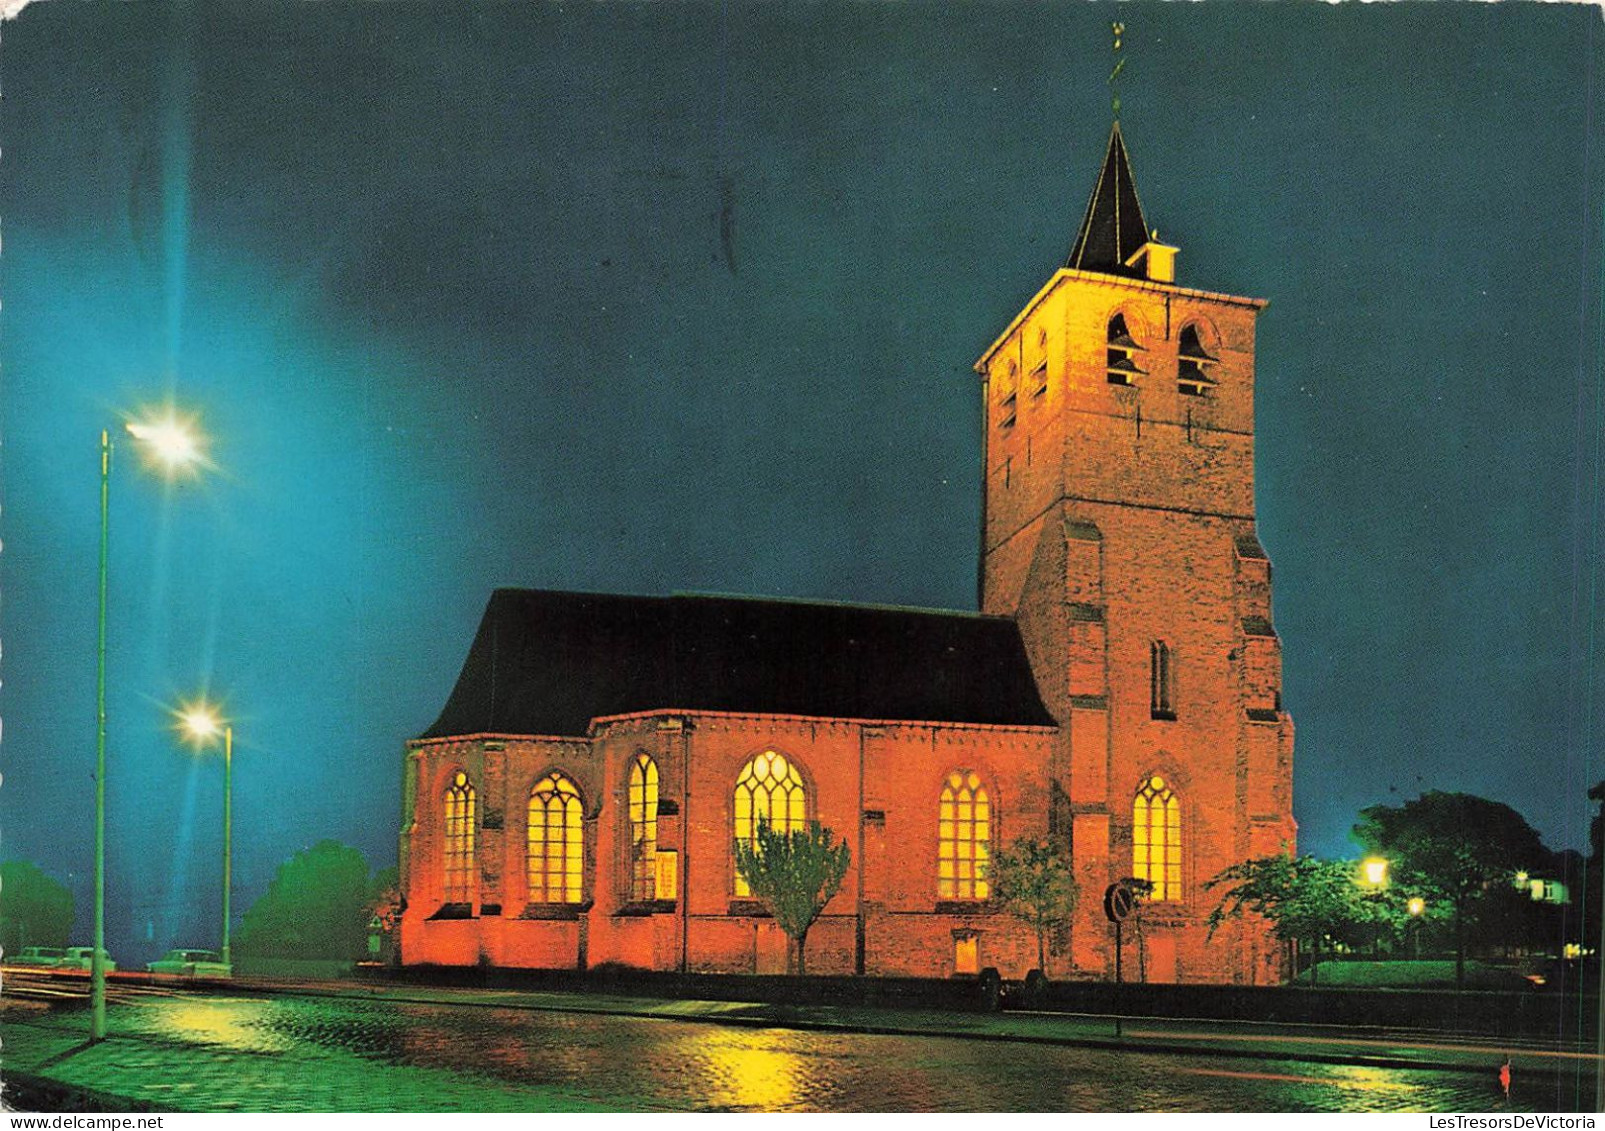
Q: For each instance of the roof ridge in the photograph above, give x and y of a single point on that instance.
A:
(826, 602)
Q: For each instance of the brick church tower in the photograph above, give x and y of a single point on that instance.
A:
(1118, 529)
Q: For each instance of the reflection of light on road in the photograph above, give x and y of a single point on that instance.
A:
(1372, 1079)
(1342, 1076)
(1282, 1076)
(751, 1069)
(229, 1022)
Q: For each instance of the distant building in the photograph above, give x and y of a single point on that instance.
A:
(1542, 890)
(577, 800)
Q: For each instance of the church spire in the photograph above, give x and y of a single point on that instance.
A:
(1113, 230)
(1114, 237)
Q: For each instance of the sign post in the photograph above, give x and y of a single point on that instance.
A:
(1118, 902)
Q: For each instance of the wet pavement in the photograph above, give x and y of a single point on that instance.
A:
(194, 1052)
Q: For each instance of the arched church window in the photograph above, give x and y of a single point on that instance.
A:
(643, 803)
(768, 788)
(1156, 839)
(963, 838)
(1121, 364)
(556, 841)
(1161, 682)
(459, 870)
(1193, 364)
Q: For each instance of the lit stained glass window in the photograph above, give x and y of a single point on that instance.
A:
(963, 839)
(1156, 839)
(459, 840)
(643, 828)
(768, 787)
(556, 841)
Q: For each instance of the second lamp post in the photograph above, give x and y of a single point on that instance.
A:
(203, 725)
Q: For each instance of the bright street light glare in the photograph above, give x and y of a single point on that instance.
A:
(199, 722)
(172, 443)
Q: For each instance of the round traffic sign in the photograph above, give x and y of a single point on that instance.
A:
(1118, 901)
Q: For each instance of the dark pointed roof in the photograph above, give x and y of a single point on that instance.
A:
(548, 663)
(1113, 228)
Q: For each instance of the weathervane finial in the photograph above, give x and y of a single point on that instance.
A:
(1119, 29)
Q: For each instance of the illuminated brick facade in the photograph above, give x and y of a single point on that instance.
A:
(1119, 692)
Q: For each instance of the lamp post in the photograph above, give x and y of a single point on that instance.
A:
(1417, 906)
(1597, 793)
(202, 725)
(1374, 877)
(171, 444)
(97, 961)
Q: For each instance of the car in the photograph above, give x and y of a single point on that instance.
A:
(39, 956)
(188, 963)
(82, 958)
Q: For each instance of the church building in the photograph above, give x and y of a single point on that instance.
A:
(577, 801)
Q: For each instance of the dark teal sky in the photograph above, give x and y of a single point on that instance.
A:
(645, 298)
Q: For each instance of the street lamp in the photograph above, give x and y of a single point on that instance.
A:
(1374, 870)
(173, 445)
(201, 724)
(1417, 907)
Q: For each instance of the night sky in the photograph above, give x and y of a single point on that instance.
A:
(684, 297)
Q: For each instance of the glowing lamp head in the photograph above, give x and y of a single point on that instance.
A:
(170, 443)
(200, 723)
(1375, 871)
(1417, 906)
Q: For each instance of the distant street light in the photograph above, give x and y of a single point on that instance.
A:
(1417, 907)
(1374, 871)
(175, 447)
(201, 724)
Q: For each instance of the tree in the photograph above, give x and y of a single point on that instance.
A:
(1301, 897)
(35, 910)
(794, 874)
(1456, 847)
(1035, 881)
(318, 906)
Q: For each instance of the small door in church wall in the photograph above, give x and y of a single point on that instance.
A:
(967, 954)
(1161, 947)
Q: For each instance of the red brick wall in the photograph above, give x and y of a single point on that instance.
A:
(892, 878)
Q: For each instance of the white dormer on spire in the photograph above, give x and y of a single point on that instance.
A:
(1157, 260)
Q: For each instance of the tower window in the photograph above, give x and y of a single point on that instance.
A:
(1039, 379)
(769, 788)
(1008, 398)
(1193, 364)
(1156, 840)
(1120, 364)
(459, 840)
(1161, 694)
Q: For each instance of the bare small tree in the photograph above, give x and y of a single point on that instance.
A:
(1035, 882)
(794, 874)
